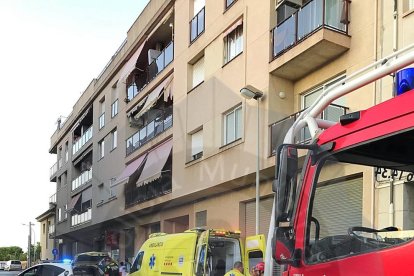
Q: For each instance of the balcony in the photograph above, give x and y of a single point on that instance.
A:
(139, 81)
(53, 171)
(78, 219)
(279, 129)
(82, 141)
(81, 180)
(310, 38)
(60, 163)
(51, 229)
(154, 189)
(197, 25)
(149, 131)
(52, 198)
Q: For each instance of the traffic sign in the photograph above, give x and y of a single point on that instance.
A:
(55, 251)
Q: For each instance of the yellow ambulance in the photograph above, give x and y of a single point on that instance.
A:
(197, 252)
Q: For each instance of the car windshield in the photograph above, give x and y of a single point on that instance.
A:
(89, 258)
(348, 224)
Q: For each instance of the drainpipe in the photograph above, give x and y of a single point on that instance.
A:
(391, 210)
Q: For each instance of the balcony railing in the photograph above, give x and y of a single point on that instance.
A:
(82, 179)
(313, 16)
(53, 169)
(197, 25)
(81, 218)
(52, 198)
(82, 141)
(51, 229)
(157, 66)
(156, 188)
(166, 57)
(279, 129)
(149, 131)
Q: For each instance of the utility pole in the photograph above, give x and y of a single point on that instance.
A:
(29, 243)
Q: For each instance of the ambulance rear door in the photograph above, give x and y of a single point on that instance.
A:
(201, 267)
(254, 252)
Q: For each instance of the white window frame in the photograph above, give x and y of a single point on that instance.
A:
(236, 130)
(198, 72)
(114, 108)
(233, 44)
(197, 144)
(101, 145)
(114, 139)
(60, 214)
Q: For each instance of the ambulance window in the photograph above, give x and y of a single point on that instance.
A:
(255, 257)
(136, 266)
(200, 260)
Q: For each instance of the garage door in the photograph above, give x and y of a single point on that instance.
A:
(338, 206)
(265, 209)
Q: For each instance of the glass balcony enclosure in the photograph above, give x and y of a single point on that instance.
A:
(78, 219)
(309, 18)
(279, 129)
(155, 123)
(82, 179)
(82, 141)
(197, 25)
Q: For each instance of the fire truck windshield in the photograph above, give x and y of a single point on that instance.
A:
(360, 197)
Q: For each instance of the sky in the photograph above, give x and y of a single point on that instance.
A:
(50, 50)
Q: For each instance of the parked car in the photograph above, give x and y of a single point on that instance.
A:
(13, 265)
(2, 264)
(93, 264)
(48, 269)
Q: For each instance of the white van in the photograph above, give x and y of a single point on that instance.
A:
(13, 265)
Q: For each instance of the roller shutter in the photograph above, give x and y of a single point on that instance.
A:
(264, 216)
(338, 206)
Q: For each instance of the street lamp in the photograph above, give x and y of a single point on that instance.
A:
(29, 257)
(250, 92)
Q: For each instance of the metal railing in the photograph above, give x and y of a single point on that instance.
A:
(157, 66)
(51, 229)
(156, 188)
(52, 198)
(279, 129)
(197, 25)
(82, 179)
(82, 141)
(149, 131)
(53, 169)
(311, 17)
(81, 218)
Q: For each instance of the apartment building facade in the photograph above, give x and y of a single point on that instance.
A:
(162, 140)
(47, 230)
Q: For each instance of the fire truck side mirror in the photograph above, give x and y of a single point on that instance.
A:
(284, 246)
(285, 184)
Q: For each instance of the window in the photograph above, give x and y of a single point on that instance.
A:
(408, 5)
(114, 139)
(66, 151)
(102, 112)
(201, 219)
(233, 125)
(197, 23)
(59, 214)
(101, 146)
(66, 211)
(197, 145)
(332, 112)
(229, 3)
(233, 42)
(44, 228)
(198, 72)
(136, 266)
(114, 108)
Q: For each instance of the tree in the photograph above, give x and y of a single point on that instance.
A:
(10, 253)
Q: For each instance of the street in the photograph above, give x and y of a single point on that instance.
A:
(8, 273)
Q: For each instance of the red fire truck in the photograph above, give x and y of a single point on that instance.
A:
(311, 235)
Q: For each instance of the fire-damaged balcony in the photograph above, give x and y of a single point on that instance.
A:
(149, 176)
(150, 59)
(152, 116)
(82, 134)
(279, 129)
(309, 37)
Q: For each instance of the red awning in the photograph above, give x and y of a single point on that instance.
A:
(129, 170)
(73, 202)
(130, 64)
(155, 162)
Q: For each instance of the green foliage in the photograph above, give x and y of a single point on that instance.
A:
(11, 253)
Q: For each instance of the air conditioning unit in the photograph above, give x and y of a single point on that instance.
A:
(291, 3)
(198, 155)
